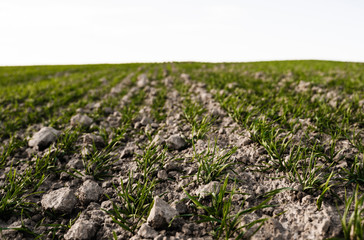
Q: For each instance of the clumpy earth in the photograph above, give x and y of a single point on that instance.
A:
(154, 157)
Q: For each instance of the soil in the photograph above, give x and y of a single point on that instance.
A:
(293, 215)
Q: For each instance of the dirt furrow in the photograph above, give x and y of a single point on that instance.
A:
(300, 218)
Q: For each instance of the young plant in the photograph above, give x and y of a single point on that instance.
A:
(269, 137)
(219, 213)
(54, 229)
(98, 164)
(9, 150)
(42, 166)
(353, 225)
(212, 163)
(67, 140)
(291, 161)
(357, 140)
(27, 232)
(158, 104)
(201, 128)
(150, 159)
(14, 192)
(311, 175)
(135, 203)
(193, 114)
(324, 188)
(356, 173)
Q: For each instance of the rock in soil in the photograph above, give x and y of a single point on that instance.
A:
(62, 200)
(90, 191)
(146, 231)
(161, 214)
(81, 120)
(81, 230)
(43, 138)
(162, 174)
(205, 190)
(176, 142)
(92, 139)
(142, 80)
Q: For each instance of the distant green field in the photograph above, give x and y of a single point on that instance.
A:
(305, 119)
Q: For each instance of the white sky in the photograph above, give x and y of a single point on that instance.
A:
(116, 31)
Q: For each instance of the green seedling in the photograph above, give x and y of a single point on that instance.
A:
(9, 150)
(265, 98)
(310, 177)
(200, 129)
(44, 165)
(151, 158)
(27, 232)
(268, 136)
(356, 173)
(14, 193)
(213, 163)
(136, 200)
(194, 114)
(158, 104)
(353, 224)
(324, 188)
(54, 228)
(227, 225)
(356, 140)
(98, 164)
(67, 140)
(192, 111)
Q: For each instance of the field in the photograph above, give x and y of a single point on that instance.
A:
(265, 150)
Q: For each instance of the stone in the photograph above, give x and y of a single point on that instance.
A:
(107, 205)
(168, 81)
(85, 151)
(43, 138)
(108, 110)
(185, 76)
(127, 152)
(210, 188)
(92, 106)
(180, 206)
(232, 85)
(158, 140)
(161, 214)
(117, 89)
(244, 141)
(90, 191)
(176, 142)
(75, 163)
(302, 86)
(81, 230)
(142, 80)
(170, 166)
(92, 139)
(146, 231)
(61, 200)
(146, 121)
(98, 216)
(162, 174)
(81, 120)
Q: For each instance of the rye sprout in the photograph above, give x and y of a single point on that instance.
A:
(353, 224)
(219, 213)
(15, 191)
(151, 158)
(136, 201)
(212, 163)
(98, 164)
